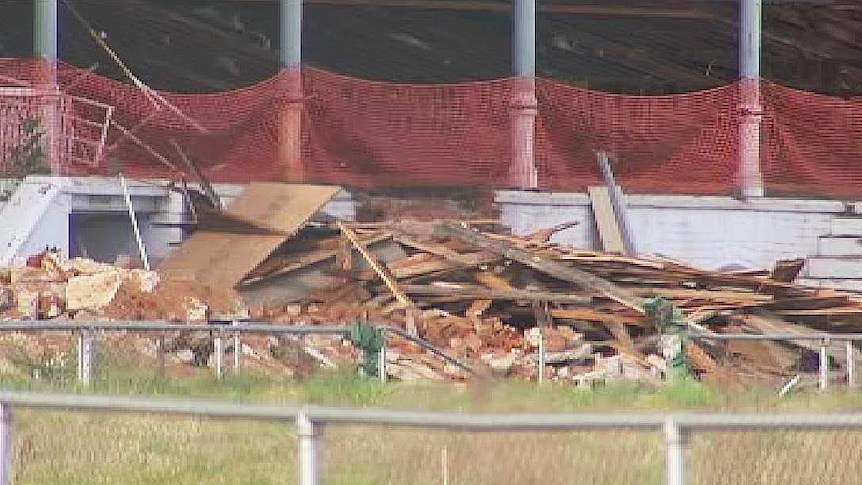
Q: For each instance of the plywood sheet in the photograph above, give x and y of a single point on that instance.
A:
(221, 259)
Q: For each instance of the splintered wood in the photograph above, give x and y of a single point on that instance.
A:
(480, 294)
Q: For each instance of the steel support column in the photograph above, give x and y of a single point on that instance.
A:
(750, 21)
(290, 141)
(45, 47)
(524, 109)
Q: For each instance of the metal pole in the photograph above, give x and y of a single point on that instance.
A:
(851, 362)
(824, 364)
(524, 107)
(381, 365)
(87, 367)
(307, 449)
(237, 349)
(45, 47)
(160, 356)
(45, 29)
(219, 354)
(750, 21)
(142, 250)
(541, 356)
(5, 443)
(675, 441)
(85, 357)
(80, 350)
(290, 145)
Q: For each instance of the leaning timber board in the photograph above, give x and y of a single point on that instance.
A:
(221, 259)
(606, 221)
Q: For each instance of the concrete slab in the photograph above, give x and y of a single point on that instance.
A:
(846, 226)
(840, 246)
(833, 267)
(846, 285)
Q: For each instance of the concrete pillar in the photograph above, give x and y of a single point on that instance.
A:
(750, 176)
(524, 105)
(45, 47)
(290, 139)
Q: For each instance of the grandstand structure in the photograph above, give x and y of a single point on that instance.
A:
(711, 101)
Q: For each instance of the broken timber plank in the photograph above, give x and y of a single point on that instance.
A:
(606, 222)
(549, 267)
(269, 270)
(469, 292)
(772, 325)
(222, 260)
(384, 275)
(435, 249)
(590, 315)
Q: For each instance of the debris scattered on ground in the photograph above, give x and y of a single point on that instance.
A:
(482, 294)
(472, 290)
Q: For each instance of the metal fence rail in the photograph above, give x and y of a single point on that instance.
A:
(677, 428)
(222, 329)
(219, 331)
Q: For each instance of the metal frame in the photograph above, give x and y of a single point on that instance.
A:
(675, 427)
(219, 331)
(222, 330)
(825, 339)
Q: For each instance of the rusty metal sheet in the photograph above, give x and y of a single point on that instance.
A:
(221, 259)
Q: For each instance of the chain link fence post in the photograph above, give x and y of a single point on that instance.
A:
(5, 443)
(237, 349)
(85, 357)
(676, 443)
(307, 430)
(824, 364)
(219, 354)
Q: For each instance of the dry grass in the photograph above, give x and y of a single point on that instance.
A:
(69, 448)
(64, 448)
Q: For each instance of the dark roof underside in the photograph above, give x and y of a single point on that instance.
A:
(213, 45)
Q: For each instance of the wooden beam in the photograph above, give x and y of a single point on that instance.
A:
(551, 268)
(610, 234)
(468, 292)
(383, 273)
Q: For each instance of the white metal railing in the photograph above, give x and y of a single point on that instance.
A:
(676, 428)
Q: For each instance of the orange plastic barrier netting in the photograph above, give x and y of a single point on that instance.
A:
(373, 134)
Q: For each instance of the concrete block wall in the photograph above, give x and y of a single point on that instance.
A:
(706, 232)
(838, 261)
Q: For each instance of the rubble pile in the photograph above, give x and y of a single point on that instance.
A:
(50, 286)
(503, 303)
(490, 298)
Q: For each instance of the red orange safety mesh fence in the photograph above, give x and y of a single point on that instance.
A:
(374, 134)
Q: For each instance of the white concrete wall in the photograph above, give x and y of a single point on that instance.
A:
(707, 232)
(51, 230)
(38, 214)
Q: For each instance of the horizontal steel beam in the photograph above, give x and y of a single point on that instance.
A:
(505, 7)
(448, 421)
